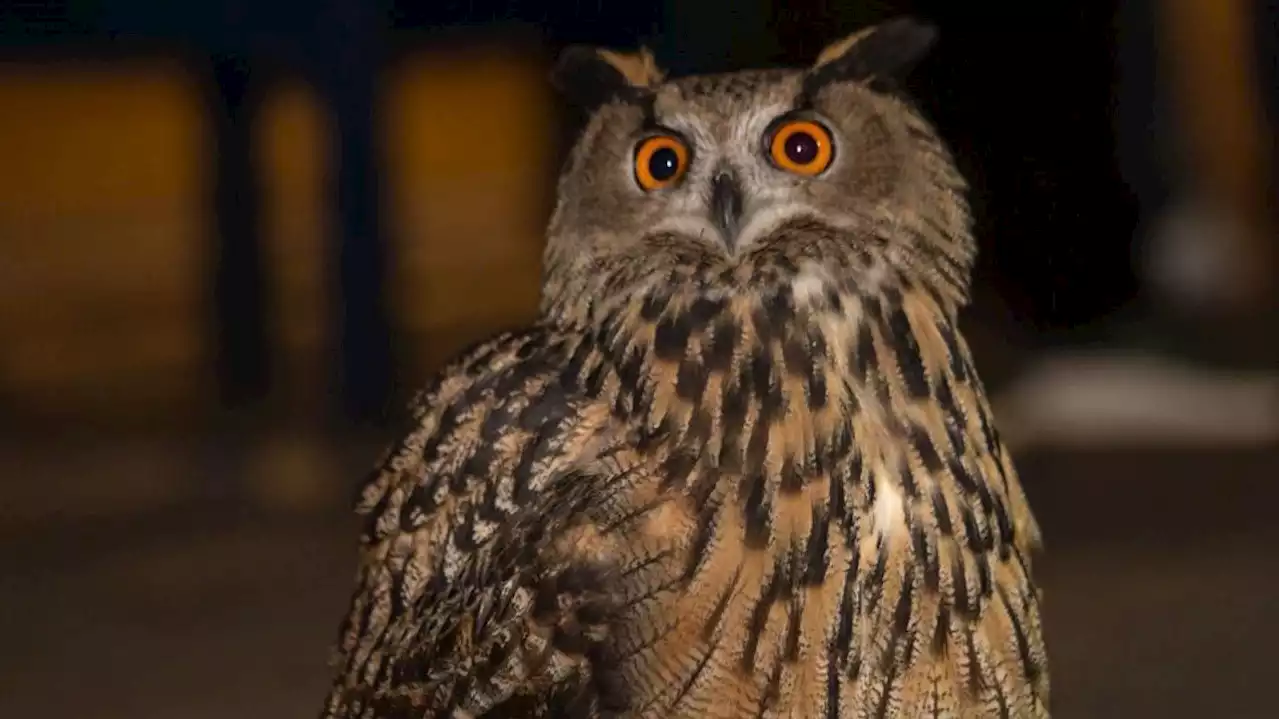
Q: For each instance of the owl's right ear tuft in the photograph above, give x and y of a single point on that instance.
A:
(590, 77)
(884, 53)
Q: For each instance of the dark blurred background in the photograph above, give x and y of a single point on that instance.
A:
(234, 234)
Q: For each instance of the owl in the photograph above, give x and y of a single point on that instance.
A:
(742, 464)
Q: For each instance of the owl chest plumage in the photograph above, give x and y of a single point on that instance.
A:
(782, 505)
(814, 458)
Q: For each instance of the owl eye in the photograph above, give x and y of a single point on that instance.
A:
(801, 146)
(660, 161)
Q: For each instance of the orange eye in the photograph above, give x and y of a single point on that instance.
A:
(660, 161)
(801, 146)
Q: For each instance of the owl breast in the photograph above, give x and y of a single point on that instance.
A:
(758, 416)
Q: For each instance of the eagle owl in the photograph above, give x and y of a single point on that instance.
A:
(742, 464)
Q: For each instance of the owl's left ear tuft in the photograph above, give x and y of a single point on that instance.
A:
(887, 52)
(593, 76)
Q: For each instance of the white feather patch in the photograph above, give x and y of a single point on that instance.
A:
(888, 514)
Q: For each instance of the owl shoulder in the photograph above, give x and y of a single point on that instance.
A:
(494, 426)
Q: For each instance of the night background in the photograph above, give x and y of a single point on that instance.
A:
(234, 236)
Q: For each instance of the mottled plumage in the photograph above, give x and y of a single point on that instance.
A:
(742, 466)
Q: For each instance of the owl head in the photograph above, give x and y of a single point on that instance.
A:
(749, 183)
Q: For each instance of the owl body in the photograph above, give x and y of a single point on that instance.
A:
(742, 465)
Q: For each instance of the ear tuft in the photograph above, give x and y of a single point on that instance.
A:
(593, 76)
(886, 52)
(639, 68)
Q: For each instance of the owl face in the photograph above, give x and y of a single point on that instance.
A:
(740, 182)
(726, 158)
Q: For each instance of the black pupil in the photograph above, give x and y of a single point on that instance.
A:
(663, 164)
(802, 148)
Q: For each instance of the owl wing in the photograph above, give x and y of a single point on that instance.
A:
(479, 588)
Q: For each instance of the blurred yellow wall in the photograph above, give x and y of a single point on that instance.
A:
(469, 145)
(102, 230)
(104, 221)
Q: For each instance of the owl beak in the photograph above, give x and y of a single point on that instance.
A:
(726, 206)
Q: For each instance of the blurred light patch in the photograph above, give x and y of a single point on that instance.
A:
(102, 215)
(1220, 115)
(468, 156)
(291, 153)
(1104, 400)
